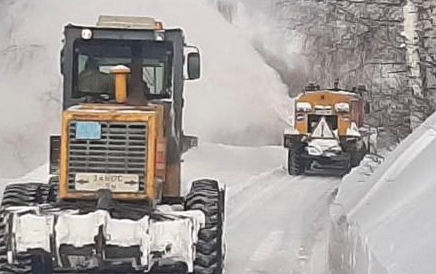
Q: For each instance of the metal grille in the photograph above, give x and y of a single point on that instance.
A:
(121, 149)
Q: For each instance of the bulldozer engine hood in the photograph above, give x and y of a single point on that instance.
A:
(110, 146)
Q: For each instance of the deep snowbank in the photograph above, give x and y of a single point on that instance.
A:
(237, 99)
(388, 220)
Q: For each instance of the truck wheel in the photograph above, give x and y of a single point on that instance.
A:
(354, 158)
(18, 195)
(295, 160)
(205, 195)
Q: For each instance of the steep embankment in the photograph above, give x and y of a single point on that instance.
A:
(386, 221)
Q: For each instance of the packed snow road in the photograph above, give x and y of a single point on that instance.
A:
(275, 223)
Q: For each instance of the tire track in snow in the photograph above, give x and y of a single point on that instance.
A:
(248, 209)
(267, 223)
(312, 254)
(265, 250)
(259, 186)
(233, 191)
(244, 232)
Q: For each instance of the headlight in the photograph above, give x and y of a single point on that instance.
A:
(159, 35)
(304, 106)
(86, 34)
(342, 107)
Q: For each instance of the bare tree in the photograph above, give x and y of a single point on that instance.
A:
(359, 42)
(420, 33)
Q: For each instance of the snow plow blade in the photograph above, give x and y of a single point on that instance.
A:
(337, 165)
(109, 236)
(97, 242)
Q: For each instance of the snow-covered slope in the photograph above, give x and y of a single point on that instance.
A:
(391, 215)
(235, 101)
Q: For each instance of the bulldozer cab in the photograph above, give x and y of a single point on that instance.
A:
(122, 72)
(150, 63)
(154, 55)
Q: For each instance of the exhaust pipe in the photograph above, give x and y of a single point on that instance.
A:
(120, 73)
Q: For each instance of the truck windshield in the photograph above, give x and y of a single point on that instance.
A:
(150, 64)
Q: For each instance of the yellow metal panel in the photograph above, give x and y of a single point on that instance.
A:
(302, 125)
(149, 117)
(152, 139)
(327, 98)
(343, 124)
(63, 177)
(133, 22)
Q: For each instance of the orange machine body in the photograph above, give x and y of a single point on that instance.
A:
(324, 103)
(158, 177)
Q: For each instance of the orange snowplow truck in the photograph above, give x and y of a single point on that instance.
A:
(328, 132)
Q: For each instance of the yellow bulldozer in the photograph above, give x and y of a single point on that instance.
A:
(114, 202)
(329, 134)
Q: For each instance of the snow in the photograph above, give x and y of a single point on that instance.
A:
(322, 107)
(38, 175)
(127, 232)
(120, 69)
(317, 147)
(303, 106)
(236, 98)
(34, 232)
(389, 208)
(174, 239)
(291, 131)
(231, 165)
(69, 228)
(271, 216)
(353, 130)
(341, 92)
(276, 223)
(342, 107)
